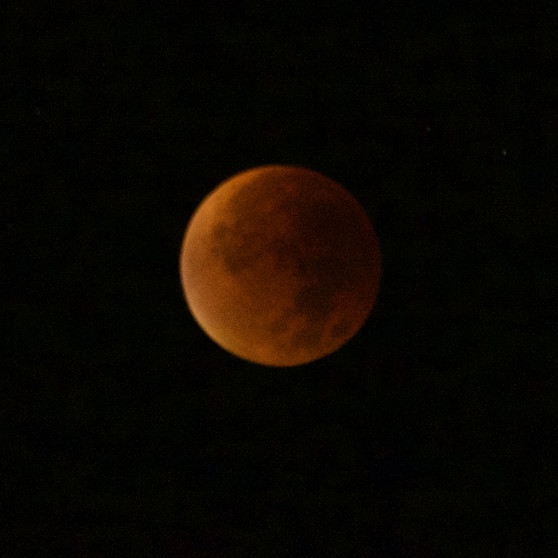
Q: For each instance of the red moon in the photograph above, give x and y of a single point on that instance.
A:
(280, 265)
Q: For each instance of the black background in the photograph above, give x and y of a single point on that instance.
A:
(126, 432)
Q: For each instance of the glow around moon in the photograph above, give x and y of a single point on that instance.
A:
(280, 265)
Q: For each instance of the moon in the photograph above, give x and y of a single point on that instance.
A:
(280, 265)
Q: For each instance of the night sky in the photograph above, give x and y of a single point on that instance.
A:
(127, 432)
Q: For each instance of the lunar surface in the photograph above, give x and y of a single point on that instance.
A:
(280, 265)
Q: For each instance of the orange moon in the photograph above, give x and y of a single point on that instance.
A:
(280, 265)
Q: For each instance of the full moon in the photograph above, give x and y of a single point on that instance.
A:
(280, 265)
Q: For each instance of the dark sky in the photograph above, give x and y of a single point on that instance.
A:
(127, 432)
